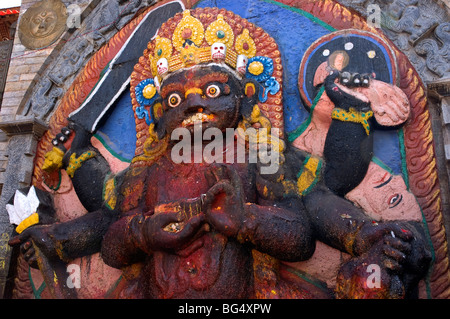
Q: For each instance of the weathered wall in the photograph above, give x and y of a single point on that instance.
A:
(8, 24)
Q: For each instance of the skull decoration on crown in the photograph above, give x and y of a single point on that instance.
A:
(206, 36)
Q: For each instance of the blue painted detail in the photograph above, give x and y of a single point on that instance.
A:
(141, 113)
(268, 68)
(140, 92)
(270, 86)
(118, 133)
(387, 148)
(294, 33)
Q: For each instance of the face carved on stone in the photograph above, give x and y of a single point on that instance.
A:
(43, 23)
(389, 198)
(203, 94)
(218, 51)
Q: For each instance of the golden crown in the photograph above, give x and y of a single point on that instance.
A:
(190, 39)
(191, 44)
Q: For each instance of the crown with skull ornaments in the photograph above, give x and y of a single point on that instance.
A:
(207, 36)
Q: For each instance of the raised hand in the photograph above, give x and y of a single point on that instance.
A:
(224, 203)
(172, 226)
(388, 102)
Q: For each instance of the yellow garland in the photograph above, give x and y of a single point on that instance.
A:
(308, 175)
(353, 116)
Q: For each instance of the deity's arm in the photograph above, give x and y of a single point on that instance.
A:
(348, 147)
(336, 221)
(280, 229)
(82, 236)
(340, 224)
(268, 222)
(143, 227)
(398, 246)
(88, 171)
(120, 244)
(84, 164)
(69, 240)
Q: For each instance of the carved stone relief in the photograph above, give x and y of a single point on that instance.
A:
(42, 24)
(156, 228)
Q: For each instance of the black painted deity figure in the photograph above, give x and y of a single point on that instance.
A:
(217, 225)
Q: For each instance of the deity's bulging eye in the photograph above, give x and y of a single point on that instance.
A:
(212, 91)
(394, 200)
(174, 100)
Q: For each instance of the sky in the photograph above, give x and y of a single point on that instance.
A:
(9, 3)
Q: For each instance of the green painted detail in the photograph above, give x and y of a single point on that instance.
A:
(304, 13)
(316, 283)
(110, 150)
(36, 292)
(299, 131)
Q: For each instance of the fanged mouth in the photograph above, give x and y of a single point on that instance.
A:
(198, 117)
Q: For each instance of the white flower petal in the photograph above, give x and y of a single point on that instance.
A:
(33, 200)
(22, 205)
(13, 218)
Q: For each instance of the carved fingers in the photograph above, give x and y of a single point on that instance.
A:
(32, 238)
(388, 102)
(171, 230)
(224, 201)
(341, 88)
(372, 233)
(53, 160)
(29, 253)
(395, 251)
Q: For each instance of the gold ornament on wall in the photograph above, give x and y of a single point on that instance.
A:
(42, 24)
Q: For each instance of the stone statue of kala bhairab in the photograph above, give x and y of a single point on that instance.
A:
(250, 214)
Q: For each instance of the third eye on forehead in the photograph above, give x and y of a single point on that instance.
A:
(383, 181)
